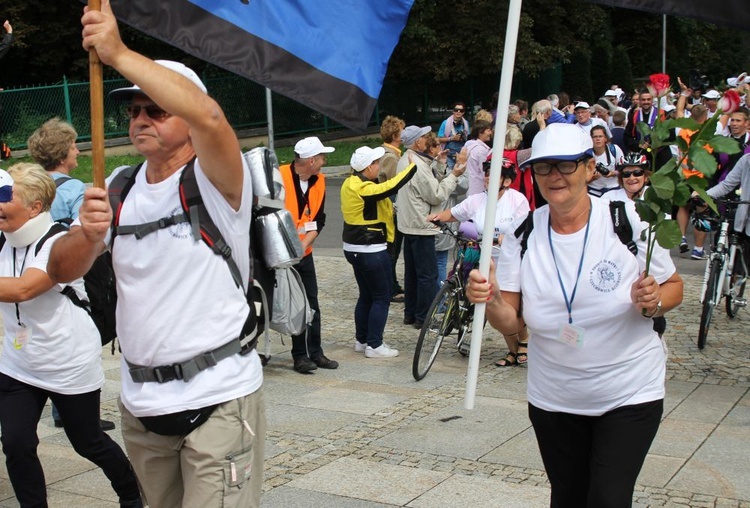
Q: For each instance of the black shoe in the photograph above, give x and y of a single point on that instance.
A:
(409, 320)
(324, 362)
(304, 365)
(106, 425)
(58, 424)
(418, 324)
(398, 298)
(131, 504)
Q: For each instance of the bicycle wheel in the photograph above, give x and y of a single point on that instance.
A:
(464, 331)
(438, 324)
(735, 300)
(710, 299)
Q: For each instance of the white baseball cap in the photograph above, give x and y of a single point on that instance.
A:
(127, 93)
(712, 94)
(310, 147)
(582, 104)
(364, 156)
(611, 93)
(561, 142)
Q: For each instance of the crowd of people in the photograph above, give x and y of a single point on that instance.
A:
(192, 387)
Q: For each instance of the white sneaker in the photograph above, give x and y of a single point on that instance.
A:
(382, 351)
(359, 347)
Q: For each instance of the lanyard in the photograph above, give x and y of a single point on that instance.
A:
(569, 303)
(23, 263)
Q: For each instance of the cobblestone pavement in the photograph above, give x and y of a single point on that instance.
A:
(724, 362)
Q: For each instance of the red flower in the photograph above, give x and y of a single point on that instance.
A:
(729, 102)
(658, 85)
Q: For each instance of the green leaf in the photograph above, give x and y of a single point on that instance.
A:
(646, 211)
(708, 199)
(668, 234)
(670, 167)
(658, 135)
(697, 183)
(723, 144)
(701, 160)
(682, 193)
(644, 129)
(682, 123)
(662, 185)
(682, 144)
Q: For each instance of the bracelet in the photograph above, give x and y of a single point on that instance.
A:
(656, 311)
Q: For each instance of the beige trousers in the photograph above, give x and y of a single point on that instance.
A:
(219, 464)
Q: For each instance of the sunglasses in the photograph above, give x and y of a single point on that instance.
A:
(458, 110)
(564, 167)
(153, 111)
(6, 193)
(628, 174)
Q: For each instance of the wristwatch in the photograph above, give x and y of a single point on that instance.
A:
(658, 310)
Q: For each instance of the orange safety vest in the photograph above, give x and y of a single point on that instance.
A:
(315, 195)
(685, 134)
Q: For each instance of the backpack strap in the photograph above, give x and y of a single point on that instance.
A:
(55, 229)
(118, 189)
(61, 180)
(194, 209)
(623, 228)
(525, 229)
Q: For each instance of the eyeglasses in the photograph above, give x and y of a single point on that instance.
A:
(564, 167)
(628, 174)
(458, 110)
(153, 111)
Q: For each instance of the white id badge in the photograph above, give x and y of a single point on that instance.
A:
(571, 335)
(23, 336)
(311, 226)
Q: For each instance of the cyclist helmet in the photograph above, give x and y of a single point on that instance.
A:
(508, 170)
(634, 159)
(705, 220)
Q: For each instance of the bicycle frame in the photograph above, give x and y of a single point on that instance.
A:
(719, 253)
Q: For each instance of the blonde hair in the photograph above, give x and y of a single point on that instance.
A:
(32, 183)
(513, 137)
(49, 144)
(483, 116)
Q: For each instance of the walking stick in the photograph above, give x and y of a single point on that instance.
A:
(96, 94)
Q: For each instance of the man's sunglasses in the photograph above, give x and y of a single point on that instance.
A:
(458, 110)
(628, 174)
(153, 111)
(564, 167)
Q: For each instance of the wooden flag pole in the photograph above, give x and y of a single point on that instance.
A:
(96, 94)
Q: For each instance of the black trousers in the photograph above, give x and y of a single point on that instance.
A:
(594, 461)
(394, 251)
(20, 410)
(308, 343)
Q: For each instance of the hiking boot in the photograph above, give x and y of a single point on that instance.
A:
(684, 245)
(698, 254)
(106, 425)
(360, 347)
(324, 362)
(304, 365)
(409, 320)
(382, 351)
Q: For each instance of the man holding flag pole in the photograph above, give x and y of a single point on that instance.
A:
(193, 416)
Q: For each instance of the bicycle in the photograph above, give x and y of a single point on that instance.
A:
(726, 268)
(450, 311)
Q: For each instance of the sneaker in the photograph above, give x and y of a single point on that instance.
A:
(360, 347)
(382, 351)
(698, 254)
(684, 245)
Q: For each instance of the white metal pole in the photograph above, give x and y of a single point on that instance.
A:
(664, 44)
(506, 81)
(269, 117)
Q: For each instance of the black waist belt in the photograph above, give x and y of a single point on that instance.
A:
(188, 369)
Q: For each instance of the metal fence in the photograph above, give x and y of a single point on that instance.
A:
(22, 110)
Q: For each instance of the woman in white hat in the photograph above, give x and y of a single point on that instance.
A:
(52, 349)
(596, 366)
(368, 227)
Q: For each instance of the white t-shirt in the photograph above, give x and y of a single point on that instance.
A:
(610, 162)
(621, 360)
(510, 206)
(177, 299)
(63, 351)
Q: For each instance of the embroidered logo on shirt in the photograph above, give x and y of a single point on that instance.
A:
(605, 276)
(181, 230)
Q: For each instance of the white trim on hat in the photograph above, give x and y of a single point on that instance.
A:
(127, 93)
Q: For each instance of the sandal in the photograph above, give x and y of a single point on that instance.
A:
(523, 356)
(510, 360)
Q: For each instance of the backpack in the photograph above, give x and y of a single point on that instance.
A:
(623, 229)
(195, 213)
(290, 312)
(99, 282)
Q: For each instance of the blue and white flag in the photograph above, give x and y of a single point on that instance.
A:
(330, 55)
